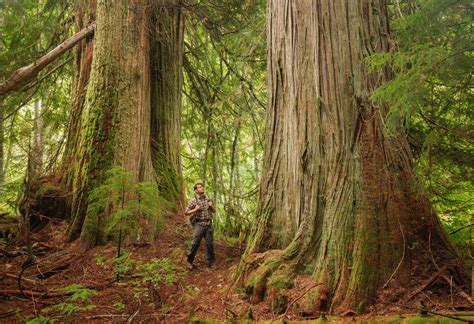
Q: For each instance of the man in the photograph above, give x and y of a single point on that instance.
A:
(200, 210)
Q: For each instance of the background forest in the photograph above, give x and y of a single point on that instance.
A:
(224, 101)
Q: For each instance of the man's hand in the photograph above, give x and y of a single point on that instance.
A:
(196, 208)
(211, 206)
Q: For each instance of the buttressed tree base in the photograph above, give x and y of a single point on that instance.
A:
(338, 199)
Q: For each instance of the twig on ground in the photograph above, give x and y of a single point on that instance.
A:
(425, 285)
(130, 319)
(295, 300)
(13, 276)
(416, 309)
(462, 292)
(29, 293)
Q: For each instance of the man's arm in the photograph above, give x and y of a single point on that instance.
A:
(192, 208)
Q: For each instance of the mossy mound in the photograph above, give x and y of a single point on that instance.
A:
(47, 200)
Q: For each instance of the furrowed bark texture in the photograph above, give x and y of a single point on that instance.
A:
(86, 12)
(167, 32)
(116, 127)
(337, 196)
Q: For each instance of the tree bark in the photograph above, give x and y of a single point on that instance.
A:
(2, 131)
(122, 111)
(337, 198)
(2, 151)
(167, 35)
(86, 11)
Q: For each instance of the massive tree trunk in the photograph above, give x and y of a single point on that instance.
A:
(126, 107)
(167, 31)
(338, 199)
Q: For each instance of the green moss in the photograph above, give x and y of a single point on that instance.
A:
(46, 189)
(282, 278)
(169, 181)
(361, 308)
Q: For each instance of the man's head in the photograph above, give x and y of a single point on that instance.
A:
(199, 188)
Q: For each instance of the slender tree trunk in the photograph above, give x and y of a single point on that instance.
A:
(215, 175)
(129, 115)
(233, 204)
(337, 196)
(256, 165)
(38, 141)
(2, 129)
(207, 149)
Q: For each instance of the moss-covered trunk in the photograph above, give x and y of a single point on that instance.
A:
(115, 116)
(338, 199)
(85, 13)
(167, 30)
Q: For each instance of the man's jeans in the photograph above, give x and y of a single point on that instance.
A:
(200, 231)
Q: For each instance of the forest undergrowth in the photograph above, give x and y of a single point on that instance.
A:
(150, 282)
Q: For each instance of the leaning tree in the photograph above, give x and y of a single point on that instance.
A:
(126, 105)
(338, 198)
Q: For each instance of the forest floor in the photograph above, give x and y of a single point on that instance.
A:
(148, 283)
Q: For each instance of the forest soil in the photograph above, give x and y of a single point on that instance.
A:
(189, 296)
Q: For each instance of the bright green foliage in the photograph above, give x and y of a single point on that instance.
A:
(224, 99)
(122, 203)
(76, 302)
(119, 306)
(28, 30)
(40, 320)
(157, 270)
(80, 293)
(141, 273)
(432, 93)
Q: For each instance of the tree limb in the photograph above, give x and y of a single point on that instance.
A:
(28, 73)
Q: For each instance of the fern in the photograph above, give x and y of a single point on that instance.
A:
(125, 205)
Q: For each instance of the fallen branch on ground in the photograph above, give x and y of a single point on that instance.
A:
(452, 284)
(425, 285)
(32, 293)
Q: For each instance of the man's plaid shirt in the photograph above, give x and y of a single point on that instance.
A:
(204, 214)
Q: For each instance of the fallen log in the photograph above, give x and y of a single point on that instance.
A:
(26, 74)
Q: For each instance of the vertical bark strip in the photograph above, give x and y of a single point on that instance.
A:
(336, 194)
(85, 12)
(167, 30)
(2, 150)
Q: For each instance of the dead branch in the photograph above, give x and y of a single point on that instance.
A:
(425, 285)
(32, 293)
(26, 74)
(13, 276)
(294, 301)
(48, 294)
(462, 292)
